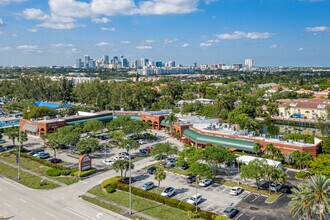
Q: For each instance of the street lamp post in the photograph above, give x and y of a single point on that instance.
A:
(197, 177)
(130, 179)
(19, 155)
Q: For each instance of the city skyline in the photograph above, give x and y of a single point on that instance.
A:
(290, 33)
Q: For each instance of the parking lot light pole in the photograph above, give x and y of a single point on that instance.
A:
(130, 179)
(19, 155)
(197, 177)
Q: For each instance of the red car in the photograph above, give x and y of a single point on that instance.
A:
(149, 148)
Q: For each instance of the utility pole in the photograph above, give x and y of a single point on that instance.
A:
(19, 154)
(197, 177)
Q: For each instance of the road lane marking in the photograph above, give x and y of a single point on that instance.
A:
(252, 218)
(50, 214)
(6, 204)
(255, 198)
(22, 200)
(238, 217)
(247, 195)
(77, 213)
(14, 185)
(99, 215)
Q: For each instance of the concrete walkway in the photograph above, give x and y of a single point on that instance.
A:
(35, 174)
(125, 210)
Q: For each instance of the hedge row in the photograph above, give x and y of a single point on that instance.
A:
(85, 172)
(43, 162)
(109, 183)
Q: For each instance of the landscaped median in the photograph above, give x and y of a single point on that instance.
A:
(26, 179)
(149, 203)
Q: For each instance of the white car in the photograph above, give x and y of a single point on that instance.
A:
(108, 162)
(205, 182)
(169, 191)
(236, 190)
(119, 158)
(275, 187)
(195, 199)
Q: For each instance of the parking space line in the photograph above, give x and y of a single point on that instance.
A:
(252, 218)
(238, 216)
(255, 198)
(247, 195)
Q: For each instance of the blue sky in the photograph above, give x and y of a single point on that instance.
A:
(272, 32)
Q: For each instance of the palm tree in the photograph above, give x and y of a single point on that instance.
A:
(270, 148)
(54, 145)
(171, 118)
(279, 176)
(23, 138)
(119, 165)
(12, 134)
(311, 198)
(160, 175)
(257, 148)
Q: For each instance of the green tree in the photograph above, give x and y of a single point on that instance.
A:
(321, 165)
(53, 143)
(217, 155)
(93, 126)
(12, 134)
(171, 118)
(190, 155)
(122, 166)
(38, 112)
(164, 149)
(89, 145)
(279, 176)
(311, 198)
(301, 159)
(22, 138)
(257, 149)
(253, 170)
(159, 175)
(200, 169)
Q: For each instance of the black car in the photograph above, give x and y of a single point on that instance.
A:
(184, 167)
(151, 170)
(143, 152)
(2, 149)
(126, 180)
(191, 179)
(230, 212)
(53, 160)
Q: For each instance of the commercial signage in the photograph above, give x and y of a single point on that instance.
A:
(85, 162)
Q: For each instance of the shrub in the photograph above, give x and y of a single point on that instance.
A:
(66, 172)
(192, 214)
(220, 217)
(73, 171)
(107, 182)
(53, 172)
(5, 154)
(110, 188)
(302, 175)
(42, 183)
(85, 172)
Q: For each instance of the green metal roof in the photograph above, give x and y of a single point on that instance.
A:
(101, 118)
(215, 140)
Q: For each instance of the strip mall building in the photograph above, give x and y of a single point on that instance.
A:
(196, 131)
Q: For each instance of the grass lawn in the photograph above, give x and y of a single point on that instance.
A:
(26, 178)
(100, 203)
(37, 168)
(145, 206)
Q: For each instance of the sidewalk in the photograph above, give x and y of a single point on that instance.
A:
(35, 174)
(125, 210)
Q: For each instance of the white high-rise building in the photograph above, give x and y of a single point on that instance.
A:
(248, 63)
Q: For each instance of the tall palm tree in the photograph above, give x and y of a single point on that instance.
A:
(279, 176)
(311, 198)
(160, 175)
(257, 148)
(23, 138)
(171, 118)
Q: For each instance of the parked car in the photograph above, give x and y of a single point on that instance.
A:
(143, 152)
(151, 170)
(125, 155)
(191, 179)
(195, 199)
(53, 160)
(160, 157)
(169, 191)
(108, 162)
(205, 182)
(149, 148)
(275, 187)
(2, 141)
(119, 158)
(230, 212)
(148, 186)
(236, 190)
(36, 151)
(184, 166)
(42, 155)
(126, 180)
(2, 149)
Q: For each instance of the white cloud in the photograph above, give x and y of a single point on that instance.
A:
(4, 2)
(33, 30)
(125, 42)
(70, 8)
(103, 20)
(59, 26)
(14, 35)
(144, 47)
(35, 14)
(316, 29)
(102, 44)
(150, 41)
(162, 7)
(113, 7)
(273, 46)
(29, 48)
(2, 49)
(73, 51)
(185, 45)
(205, 44)
(1, 22)
(247, 35)
(300, 49)
(62, 45)
(108, 29)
